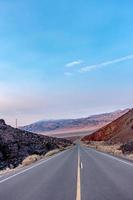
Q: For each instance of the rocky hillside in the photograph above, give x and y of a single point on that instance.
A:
(16, 145)
(61, 126)
(118, 131)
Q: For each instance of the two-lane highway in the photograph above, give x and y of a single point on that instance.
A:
(76, 174)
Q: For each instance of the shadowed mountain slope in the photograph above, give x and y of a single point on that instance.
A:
(15, 145)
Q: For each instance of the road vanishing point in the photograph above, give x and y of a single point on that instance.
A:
(79, 173)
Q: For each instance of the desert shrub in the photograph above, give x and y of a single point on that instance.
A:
(30, 159)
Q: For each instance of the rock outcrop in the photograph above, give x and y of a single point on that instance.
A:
(127, 148)
(16, 145)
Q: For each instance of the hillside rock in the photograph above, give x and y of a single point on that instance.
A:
(17, 144)
(127, 148)
(118, 131)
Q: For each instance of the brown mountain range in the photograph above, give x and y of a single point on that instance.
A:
(73, 127)
(118, 131)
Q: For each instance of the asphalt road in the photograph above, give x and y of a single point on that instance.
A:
(51, 180)
(101, 176)
(105, 177)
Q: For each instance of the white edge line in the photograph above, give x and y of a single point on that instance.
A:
(34, 166)
(118, 159)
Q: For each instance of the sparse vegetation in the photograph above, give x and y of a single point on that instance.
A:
(31, 159)
(114, 149)
(53, 152)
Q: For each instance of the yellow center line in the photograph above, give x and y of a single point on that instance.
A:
(78, 195)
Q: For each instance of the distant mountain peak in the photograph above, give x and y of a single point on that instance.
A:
(90, 123)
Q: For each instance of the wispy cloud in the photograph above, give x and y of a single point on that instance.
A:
(104, 64)
(76, 62)
(68, 74)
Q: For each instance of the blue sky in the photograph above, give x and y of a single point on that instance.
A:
(64, 59)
